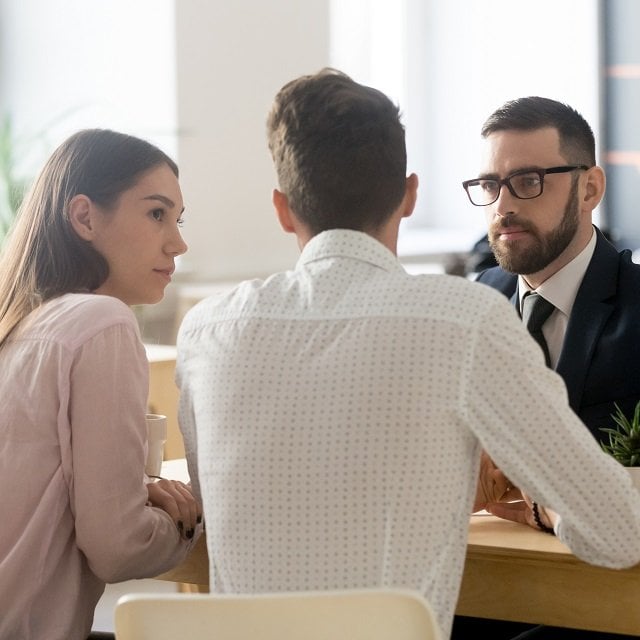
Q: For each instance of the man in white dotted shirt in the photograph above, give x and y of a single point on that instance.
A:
(334, 415)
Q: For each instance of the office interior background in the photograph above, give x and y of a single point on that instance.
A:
(197, 77)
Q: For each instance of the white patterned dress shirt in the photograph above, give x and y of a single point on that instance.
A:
(334, 415)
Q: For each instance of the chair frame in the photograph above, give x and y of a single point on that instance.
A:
(359, 614)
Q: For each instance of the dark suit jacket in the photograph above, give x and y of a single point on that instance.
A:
(600, 357)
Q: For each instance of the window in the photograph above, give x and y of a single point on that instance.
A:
(70, 64)
(449, 65)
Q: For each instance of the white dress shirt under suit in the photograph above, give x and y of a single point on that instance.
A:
(334, 415)
(561, 290)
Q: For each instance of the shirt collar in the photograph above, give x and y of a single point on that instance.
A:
(561, 288)
(345, 243)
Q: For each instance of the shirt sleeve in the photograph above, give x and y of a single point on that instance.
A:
(121, 537)
(186, 417)
(519, 410)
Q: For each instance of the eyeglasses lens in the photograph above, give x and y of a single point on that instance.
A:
(522, 185)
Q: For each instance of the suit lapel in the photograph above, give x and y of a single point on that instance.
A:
(515, 300)
(590, 312)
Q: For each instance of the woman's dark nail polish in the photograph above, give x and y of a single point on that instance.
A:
(180, 526)
(198, 519)
(190, 533)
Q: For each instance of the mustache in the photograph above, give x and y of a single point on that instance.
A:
(511, 220)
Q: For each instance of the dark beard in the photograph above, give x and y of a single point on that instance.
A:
(548, 248)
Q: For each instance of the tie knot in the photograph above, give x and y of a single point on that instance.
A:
(535, 310)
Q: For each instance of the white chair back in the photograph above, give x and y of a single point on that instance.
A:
(329, 615)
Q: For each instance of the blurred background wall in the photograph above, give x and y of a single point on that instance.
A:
(197, 77)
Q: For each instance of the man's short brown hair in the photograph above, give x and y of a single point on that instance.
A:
(339, 152)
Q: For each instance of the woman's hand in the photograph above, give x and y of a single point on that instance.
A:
(176, 499)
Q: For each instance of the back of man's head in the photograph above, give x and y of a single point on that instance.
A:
(339, 152)
(577, 143)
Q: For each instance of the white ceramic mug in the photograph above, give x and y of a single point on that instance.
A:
(156, 437)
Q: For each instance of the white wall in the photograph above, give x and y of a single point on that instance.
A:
(70, 64)
(197, 77)
(232, 58)
(450, 64)
(199, 87)
(212, 77)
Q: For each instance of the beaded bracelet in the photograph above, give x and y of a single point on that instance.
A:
(541, 525)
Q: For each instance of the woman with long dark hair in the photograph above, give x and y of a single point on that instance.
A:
(98, 232)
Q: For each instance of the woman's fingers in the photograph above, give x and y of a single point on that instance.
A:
(189, 507)
(176, 499)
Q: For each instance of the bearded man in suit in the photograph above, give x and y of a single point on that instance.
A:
(538, 187)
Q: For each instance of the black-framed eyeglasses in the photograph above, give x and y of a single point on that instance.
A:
(524, 184)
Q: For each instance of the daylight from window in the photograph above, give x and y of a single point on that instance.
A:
(449, 65)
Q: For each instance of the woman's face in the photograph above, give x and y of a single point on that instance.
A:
(140, 238)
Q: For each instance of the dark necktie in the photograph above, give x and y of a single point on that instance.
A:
(535, 310)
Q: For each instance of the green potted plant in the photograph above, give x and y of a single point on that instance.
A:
(18, 155)
(11, 187)
(624, 441)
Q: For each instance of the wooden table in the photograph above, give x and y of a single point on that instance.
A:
(512, 572)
